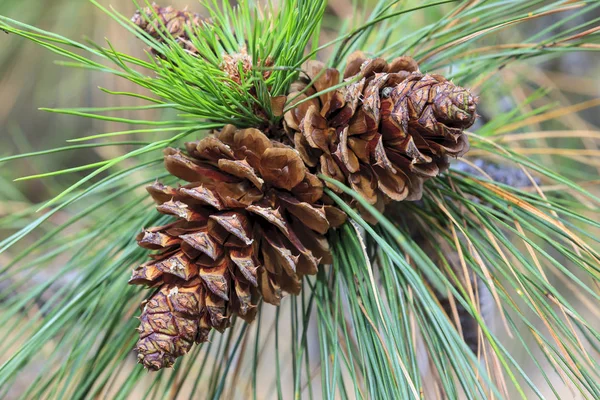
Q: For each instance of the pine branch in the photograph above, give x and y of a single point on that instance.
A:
(523, 231)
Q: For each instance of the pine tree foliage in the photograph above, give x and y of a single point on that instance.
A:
(388, 317)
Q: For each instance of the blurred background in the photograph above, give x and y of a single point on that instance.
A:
(30, 79)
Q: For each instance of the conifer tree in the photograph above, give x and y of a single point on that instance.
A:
(346, 216)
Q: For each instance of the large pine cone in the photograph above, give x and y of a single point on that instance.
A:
(250, 225)
(383, 134)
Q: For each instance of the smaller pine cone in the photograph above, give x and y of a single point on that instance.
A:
(166, 21)
(249, 225)
(385, 133)
(238, 65)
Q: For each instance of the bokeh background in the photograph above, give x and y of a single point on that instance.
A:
(31, 78)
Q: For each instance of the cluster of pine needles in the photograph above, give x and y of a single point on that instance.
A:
(374, 324)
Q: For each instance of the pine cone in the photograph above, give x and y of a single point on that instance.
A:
(250, 225)
(166, 21)
(385, 133)
(237, 65)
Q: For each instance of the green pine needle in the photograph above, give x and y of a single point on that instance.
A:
(371, 325)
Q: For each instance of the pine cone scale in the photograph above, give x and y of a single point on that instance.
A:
(243, 260)
(217, 278)
(205, 243)
(234, 223)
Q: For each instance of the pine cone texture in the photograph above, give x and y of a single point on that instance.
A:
(384, 133)
(166, 21)
(249, 225)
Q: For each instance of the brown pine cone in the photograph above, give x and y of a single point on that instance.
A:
(385, 133)
(250, 224)
(160, 21)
